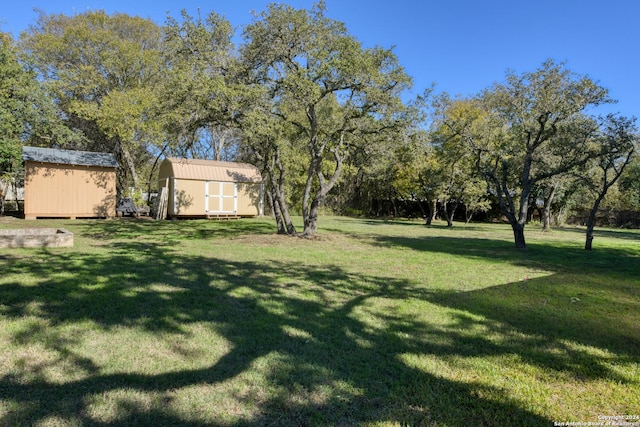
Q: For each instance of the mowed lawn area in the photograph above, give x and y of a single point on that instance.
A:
(373, 323)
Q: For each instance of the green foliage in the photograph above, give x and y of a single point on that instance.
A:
(27, 115)
(630, 185)
(533, 127)
(618, 143)
(15, 85)
(200, 92)
(323, 84)
(322, 115)
(460, 183)
(103, 72)
(416, 170)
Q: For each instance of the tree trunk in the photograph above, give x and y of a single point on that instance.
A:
(277, 189)
(450, 211)
(314, 168)
(277, 213)
(310, 210)
(131, 166)
(519, 219)
(546, 210)
(311, 213)
(433, 205)
(311, 220)
(3, 191)
(468, 215)
(591, 222)
(518, 235)
(588, 244)
(518, 223)
(429, 214)
(281, 202)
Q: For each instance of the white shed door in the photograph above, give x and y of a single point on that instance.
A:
(221, 197)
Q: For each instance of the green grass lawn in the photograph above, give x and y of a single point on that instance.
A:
(372, 323)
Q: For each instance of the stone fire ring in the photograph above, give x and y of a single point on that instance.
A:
(36, 238)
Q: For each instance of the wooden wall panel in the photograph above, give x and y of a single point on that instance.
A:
(188, 197)
(249, 199)
(69, 191)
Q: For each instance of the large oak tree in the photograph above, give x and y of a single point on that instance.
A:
(27, 115)
(326, 86)
(102, 72)
(534, 127)
(618, 139)
(200, 94)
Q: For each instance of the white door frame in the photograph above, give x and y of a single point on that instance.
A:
(217, 193)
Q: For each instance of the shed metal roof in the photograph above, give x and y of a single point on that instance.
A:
(69, 157)
(212, 170)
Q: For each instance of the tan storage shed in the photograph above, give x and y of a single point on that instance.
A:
(209, 189)
(68, 184)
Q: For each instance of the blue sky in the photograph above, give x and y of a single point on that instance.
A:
(462, 46)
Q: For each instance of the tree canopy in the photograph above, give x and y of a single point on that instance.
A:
(27, 114)
(533, 127)
(329, 122)
(102, 71)
(329, 90)
(16, 85)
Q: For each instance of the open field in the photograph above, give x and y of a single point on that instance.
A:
(372, 323)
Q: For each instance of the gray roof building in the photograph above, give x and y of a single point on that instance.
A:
(69, 157)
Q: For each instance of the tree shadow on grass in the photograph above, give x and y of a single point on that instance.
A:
(613, 233)
(585, 297)
(405, 223)
(556, 256)
(174, 230)
(549, 330)
(338, 357)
